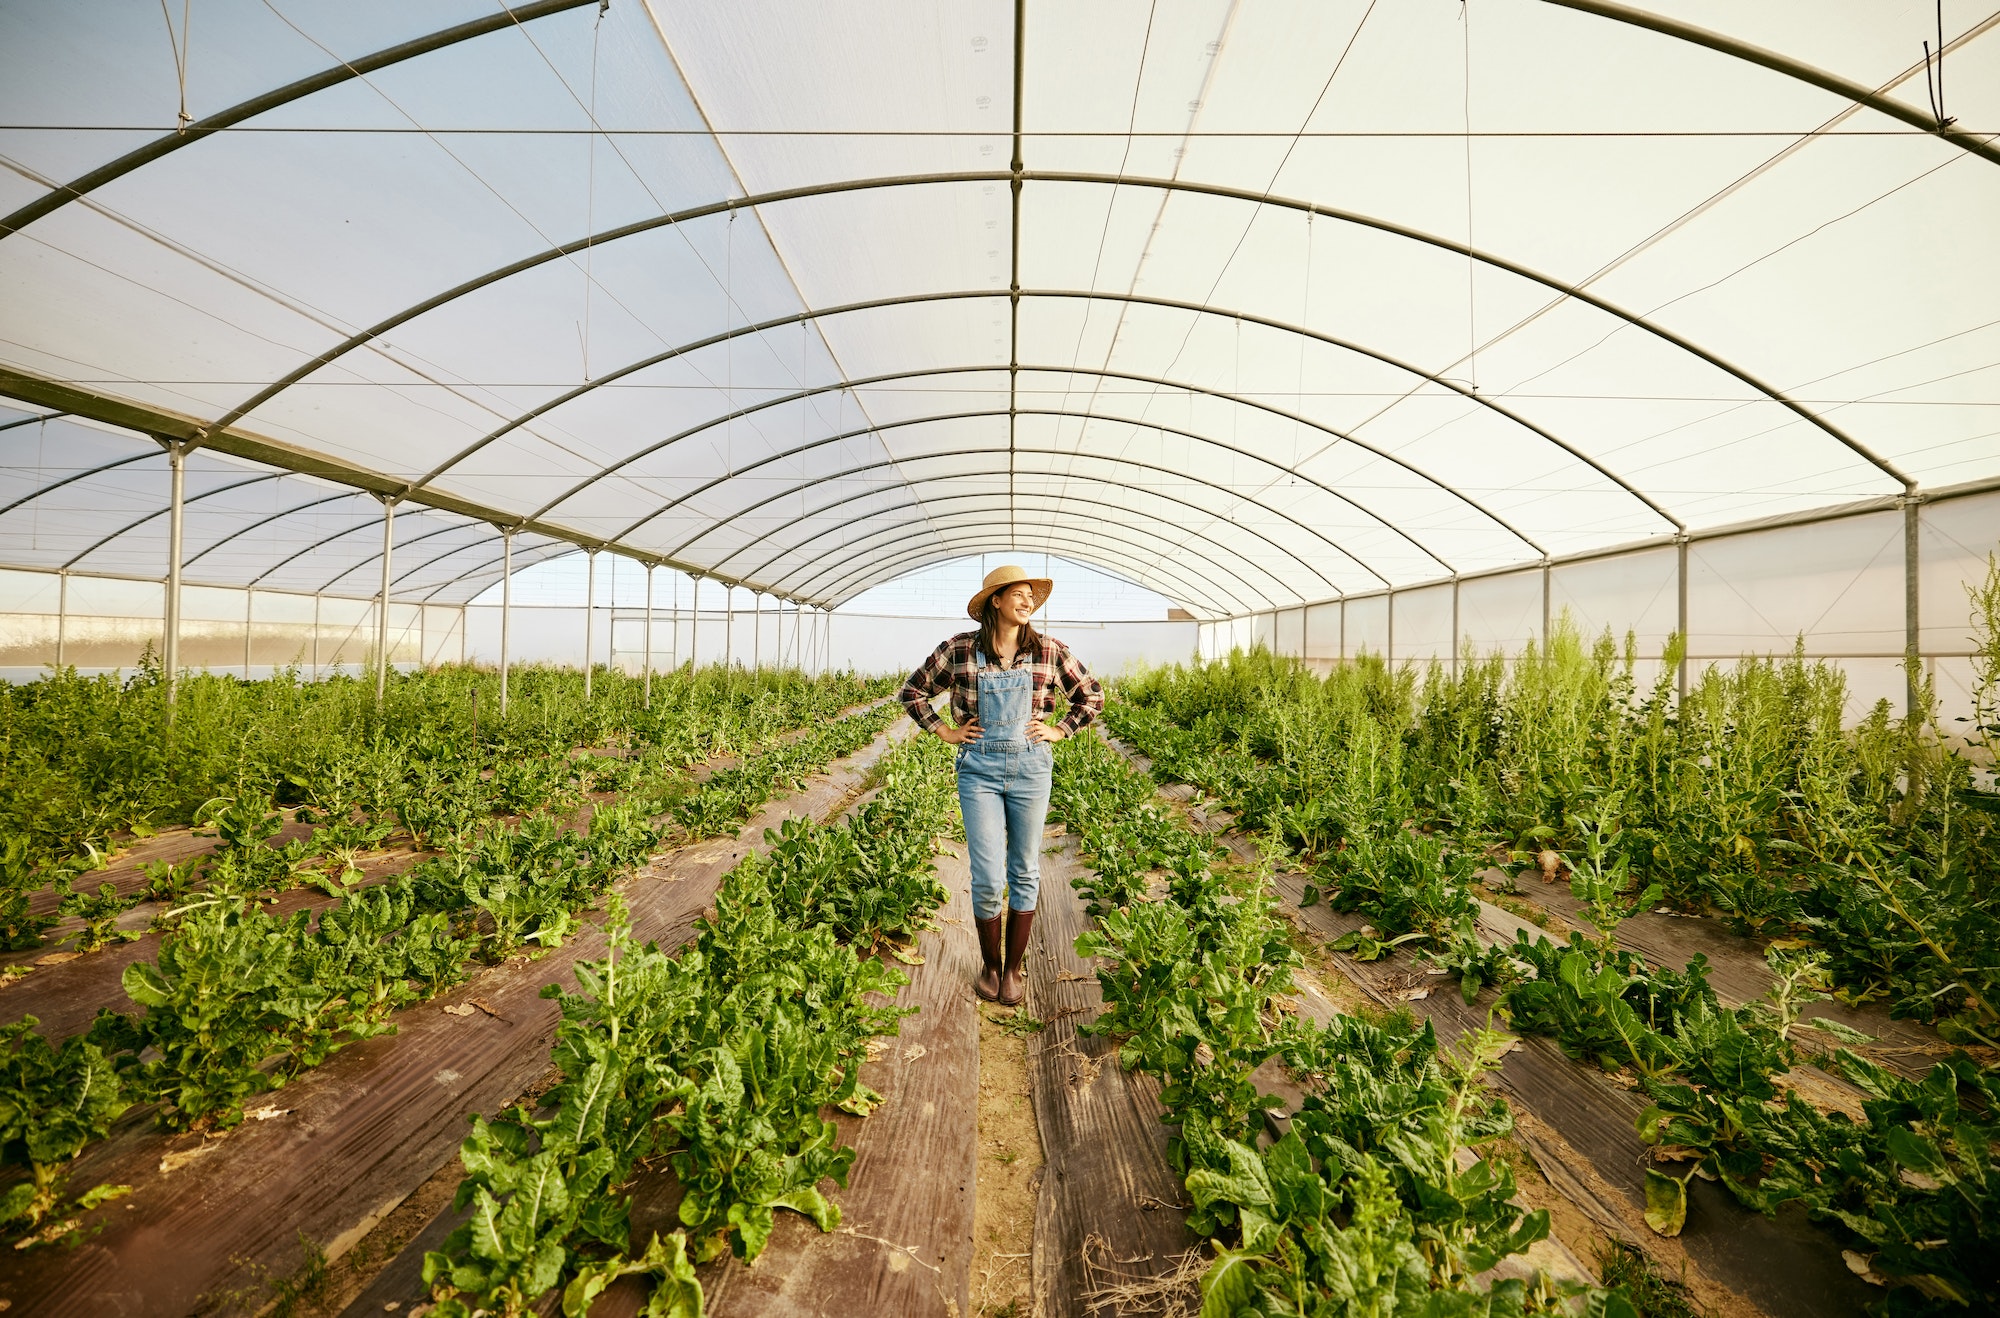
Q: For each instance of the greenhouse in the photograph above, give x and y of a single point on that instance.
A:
(1464, 785)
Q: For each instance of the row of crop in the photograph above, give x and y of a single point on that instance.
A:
(718, 1061)
(1912, 1185)
(85, 759)
(1361, 1206)
(239, 1002)
(1749, 798)
(418, 779)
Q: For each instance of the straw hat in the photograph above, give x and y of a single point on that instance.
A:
(999, 579)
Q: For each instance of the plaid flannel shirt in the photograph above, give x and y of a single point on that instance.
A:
(952, 668)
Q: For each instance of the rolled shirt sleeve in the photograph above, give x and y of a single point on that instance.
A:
(924, 685)
(1086, 695)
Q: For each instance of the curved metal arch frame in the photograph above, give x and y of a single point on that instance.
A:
(866, 381)
(950, 453)
(1119, 561)
(42, 418)
(1021, 176)
(934, 500)
(347, 70)
(562, 546)
(1789, 67)
(165, 509)
(1130, 554)
(497, 532)
(52, 486)
(1344, 552)
(922, 299)
(411, 511)
(1011, 412)
(266, 521)
(375, 556)
(1227, 585)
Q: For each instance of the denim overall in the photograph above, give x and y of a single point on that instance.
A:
(1003, 792)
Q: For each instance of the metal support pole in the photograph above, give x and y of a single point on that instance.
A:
(589, 599)
(506, 609)
(171, 643)
(1681, 618)
(674, 629)
(1912, 598)
(757, 633)
(315, 650)
(1343, 629)
(1389, 645)
(694, 633)
(62, 616)
(1457, 639)
(1545, 607)
(729, 626)
(249, 617)
(648, 635)
(382, 609)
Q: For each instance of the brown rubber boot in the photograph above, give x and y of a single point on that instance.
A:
(1013, 984)
(987, 985)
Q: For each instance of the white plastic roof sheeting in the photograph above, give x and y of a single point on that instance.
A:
(1254, 304)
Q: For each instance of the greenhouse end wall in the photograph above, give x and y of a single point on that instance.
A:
(1841, 584)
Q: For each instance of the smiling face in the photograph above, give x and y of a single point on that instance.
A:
(1016, 603)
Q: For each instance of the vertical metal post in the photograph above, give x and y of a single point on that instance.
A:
(506, 609)
(674, 630)
(757, 633)
(315, 649)
(694, 633)
(1343, 628)
(62, 616)
(171, 643)
(1457, 640)
(1681, 618)
(648, 635)
(249, 617)
(382, 610)
(1912, 597)
(1545, 606)
(729, 626)
(589, 599)
(1389, 646)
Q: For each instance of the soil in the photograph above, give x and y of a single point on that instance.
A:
(1010, 1172)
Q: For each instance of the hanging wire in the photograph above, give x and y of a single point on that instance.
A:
(1934, 74)
(180, 53)
(590, 188)
(1471, 262)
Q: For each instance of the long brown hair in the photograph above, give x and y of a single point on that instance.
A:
(989, 628)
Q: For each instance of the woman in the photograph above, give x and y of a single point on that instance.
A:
(1003, 679)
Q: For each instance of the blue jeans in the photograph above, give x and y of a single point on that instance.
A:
(1003, 792)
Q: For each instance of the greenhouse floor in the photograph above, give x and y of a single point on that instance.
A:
(358, 1156)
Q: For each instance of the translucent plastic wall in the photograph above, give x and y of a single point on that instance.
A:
(106, 624)
(1840, 586)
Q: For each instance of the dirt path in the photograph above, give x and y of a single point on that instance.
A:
(1010, 1168)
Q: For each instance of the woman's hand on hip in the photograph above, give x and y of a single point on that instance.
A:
(964, 732)
(1050, 733)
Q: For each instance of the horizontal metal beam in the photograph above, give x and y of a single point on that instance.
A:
(1796, 69)
(208, 125)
